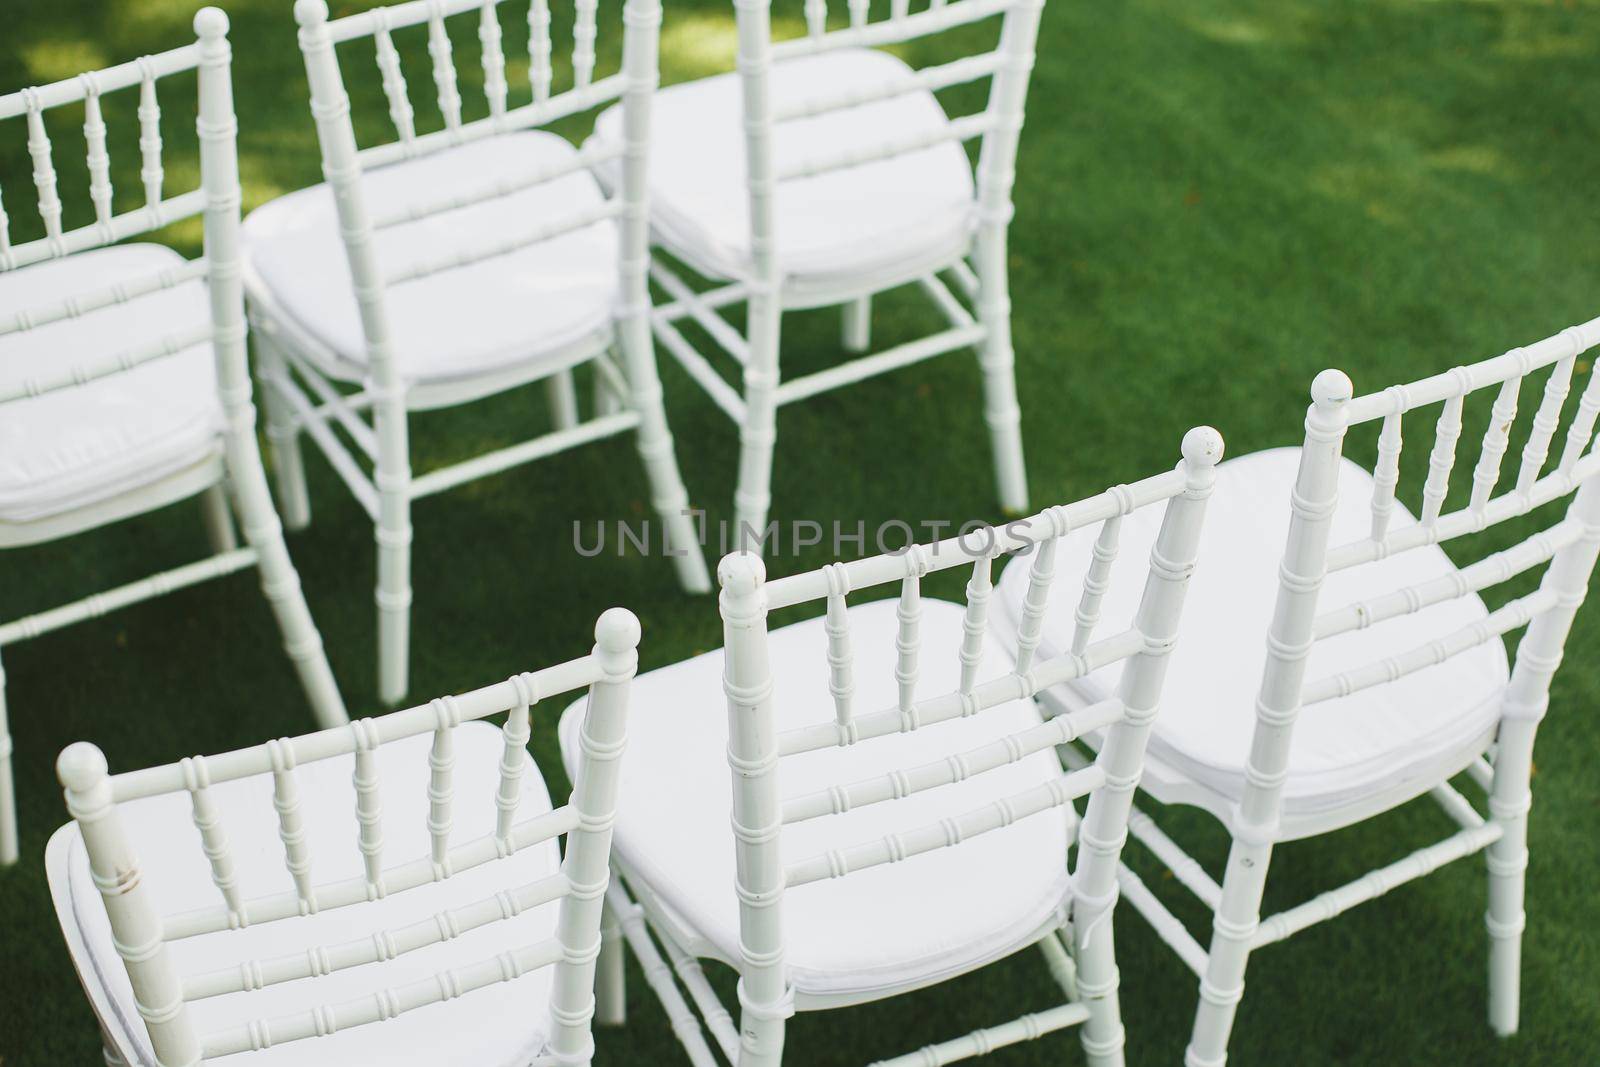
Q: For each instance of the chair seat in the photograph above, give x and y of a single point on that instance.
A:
(500, 1025)
(1350, 757)
(911, 210)
(537, 307)
(74, 447)
(876, 931)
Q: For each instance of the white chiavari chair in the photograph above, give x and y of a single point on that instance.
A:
(823, 172)
(446, 266)
(1384, 674)
(393, 888)
(899, 813)
(123, 380)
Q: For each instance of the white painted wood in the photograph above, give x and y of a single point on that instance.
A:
(763, 387)
(756, 750)
(1566, 550)
(142, 934)
(388, 493)
(236, 484)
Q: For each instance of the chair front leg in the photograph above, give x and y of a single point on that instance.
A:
(1233, 928)
(997, 362)
(8, 797)
(1507, 861)
(758, 433)
(283, 439)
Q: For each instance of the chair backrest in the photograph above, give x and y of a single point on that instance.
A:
(343, 162)
(142, 934)
(757, 746)
(1566, 548)
(217, 199)
(999, 125)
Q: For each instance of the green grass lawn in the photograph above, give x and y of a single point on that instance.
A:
(1215, 200)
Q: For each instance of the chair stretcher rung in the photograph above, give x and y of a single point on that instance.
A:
(879, 363)
(659, 977)
(704, 374)
(982, 1042)
(714, 324)
(437, 481)
(1183, 866)
(1375, 883)
(103, 603)
(1163, 922)
(506, 246)
(349, 471)
(943, 76)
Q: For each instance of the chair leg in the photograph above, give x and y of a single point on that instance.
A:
(283, 442)
(8, 798)
(1097, 982)
(997, 362)
(216, 514)
(280, 582)
(1233, 928)
(857, 332)
(563, 396)
(394, 594)
(758, 433)
(606, 402)
(667, 494)
(1507, 861)
(610, 977)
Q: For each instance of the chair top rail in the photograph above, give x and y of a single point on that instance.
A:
(1489, 571)
(1512, 616)
(895, 31)
(110, 79)
(356, 890)
(396, 16)
(520, 689)
(954, 705)
(1552, 486)
(967, 547)
(1458, 381)
(904, 782)
(121, 293)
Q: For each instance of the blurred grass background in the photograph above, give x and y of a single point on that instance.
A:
(1215, 200)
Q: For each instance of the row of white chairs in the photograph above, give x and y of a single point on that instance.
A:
(840, 732)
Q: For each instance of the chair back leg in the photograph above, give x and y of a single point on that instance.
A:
(563, 398)
(857, 331)
(217, 516)
(758, 433)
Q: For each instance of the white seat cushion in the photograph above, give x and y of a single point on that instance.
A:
(844, 223)
(77, 446)
(526, 307)
(927, 917)
(501, 1025)
(1344, 751)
